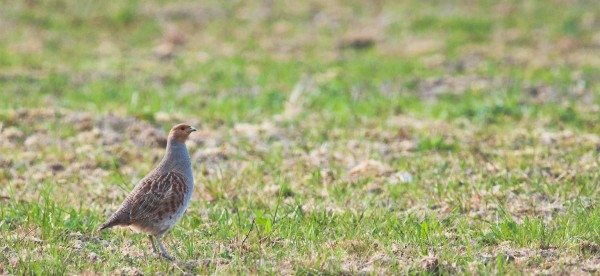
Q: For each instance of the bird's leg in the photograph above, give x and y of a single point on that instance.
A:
(152, 243)
(163, 250)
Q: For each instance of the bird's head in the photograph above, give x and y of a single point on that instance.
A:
(181, 132)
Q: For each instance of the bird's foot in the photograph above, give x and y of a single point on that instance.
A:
(167, 256)
(163, 251)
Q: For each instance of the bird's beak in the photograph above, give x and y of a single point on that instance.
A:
(192, 129)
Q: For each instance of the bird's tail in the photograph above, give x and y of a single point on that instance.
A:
(105, 225)
(117, 218)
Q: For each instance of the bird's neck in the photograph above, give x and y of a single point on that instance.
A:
(176, 158)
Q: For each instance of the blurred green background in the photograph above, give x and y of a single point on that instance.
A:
(227, 61)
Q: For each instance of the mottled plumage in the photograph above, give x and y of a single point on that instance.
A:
(159, 200)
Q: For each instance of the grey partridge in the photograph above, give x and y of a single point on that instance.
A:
(159, 200)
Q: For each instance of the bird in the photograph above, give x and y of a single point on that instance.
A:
(159, 200)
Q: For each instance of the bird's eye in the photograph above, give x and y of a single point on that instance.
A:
(182, 128)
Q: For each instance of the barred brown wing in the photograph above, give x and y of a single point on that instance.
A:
(159, 196)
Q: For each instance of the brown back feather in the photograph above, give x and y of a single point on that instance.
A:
(161, 195)
(155, 197)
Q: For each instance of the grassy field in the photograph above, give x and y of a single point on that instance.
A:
(335, 137)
